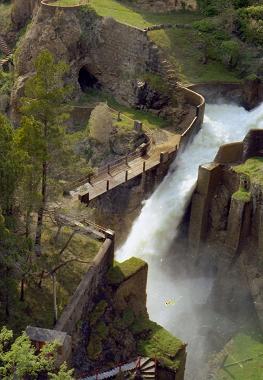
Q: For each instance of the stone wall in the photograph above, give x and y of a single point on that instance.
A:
(248, 94)
(162, 6)
(209, 177)
(253, 144)
(196, 100)
(22, 11)
(230, 153)
(83, 296)
(116, 54)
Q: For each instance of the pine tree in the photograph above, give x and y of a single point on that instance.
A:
(45, 104)
(10, 168)
(18, 358)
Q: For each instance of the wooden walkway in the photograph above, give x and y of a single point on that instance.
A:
(117, 175)
(89, 188)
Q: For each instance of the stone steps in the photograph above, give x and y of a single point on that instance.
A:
(4, 48)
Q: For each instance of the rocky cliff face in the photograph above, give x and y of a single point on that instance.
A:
(226, 225)
(118, 329)
(100, 51)
(22, 11)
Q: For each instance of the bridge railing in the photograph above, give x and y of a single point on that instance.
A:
(120, 367)
(106, 169)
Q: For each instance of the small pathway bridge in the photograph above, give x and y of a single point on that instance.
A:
(145, 158)
(144, 367)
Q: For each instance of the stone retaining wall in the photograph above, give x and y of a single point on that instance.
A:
(197, 100)
(85, 292)
(230, 153)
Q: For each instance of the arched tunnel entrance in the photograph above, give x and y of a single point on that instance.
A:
(87, 80)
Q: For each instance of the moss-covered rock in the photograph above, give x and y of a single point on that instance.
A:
(155, 342)
(95, 347)
(98, 312)
(242, 195)
(122, 271)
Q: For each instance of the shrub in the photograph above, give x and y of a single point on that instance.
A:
(250, 24)
(100, 123)
(230, 52)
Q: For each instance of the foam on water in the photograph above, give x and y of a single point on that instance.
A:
(156, 227)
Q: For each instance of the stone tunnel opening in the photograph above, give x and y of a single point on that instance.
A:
(87, 80)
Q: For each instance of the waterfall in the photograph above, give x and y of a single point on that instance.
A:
(156, 227)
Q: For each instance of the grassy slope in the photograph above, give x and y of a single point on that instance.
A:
(180, 45)
(37, 309)
(130, 114)
(253, 168)
(242, 347)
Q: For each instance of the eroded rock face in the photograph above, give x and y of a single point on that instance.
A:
(107, 53)
(22, 11)
(167, 5)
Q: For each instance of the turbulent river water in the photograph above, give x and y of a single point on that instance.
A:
(154, 231)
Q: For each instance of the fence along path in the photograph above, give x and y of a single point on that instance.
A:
(120, 171)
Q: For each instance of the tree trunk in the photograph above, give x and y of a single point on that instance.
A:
(55, 298)
(57, 234)
(7, 310)
(41, 279)
(22, 289)
(41, 210)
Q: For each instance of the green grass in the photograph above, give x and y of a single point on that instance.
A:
(181, 46)
(37, 309)
(154, 341)
(242, 347)
(253, 168)
(122, 271)
(242, 195)
(149, 120)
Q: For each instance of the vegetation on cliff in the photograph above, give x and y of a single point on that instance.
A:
(242, 195)
(211, 45)
(32, 158)
(253, 168)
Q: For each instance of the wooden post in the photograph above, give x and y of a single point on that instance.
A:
(126, 176)
(89, 179)
(144, 166)
(108, 185)
(161, 157)
(126, 160)
(109, 169)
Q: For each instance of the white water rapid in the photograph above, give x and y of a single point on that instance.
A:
(156, 227)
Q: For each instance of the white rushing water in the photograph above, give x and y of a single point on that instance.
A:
(156, 227)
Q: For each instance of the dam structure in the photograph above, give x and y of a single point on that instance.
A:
(157, 226)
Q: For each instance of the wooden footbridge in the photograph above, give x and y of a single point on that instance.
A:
(147, 157)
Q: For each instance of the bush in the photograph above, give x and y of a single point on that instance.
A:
(100, 123)
(250, 24)
(230, 53)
